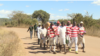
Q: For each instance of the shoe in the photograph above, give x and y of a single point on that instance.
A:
(49, 51)
(54, 52)
(83, 51)
(69, 49)
(76, 52)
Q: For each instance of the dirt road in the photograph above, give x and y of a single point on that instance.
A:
(32, 48)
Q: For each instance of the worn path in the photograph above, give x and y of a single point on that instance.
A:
(32, 48)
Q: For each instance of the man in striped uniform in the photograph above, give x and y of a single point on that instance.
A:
(68, 33)
(81, 39)
(74, 37)
(57, 35)
(52, 36)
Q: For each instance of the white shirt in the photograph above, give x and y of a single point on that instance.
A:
(43, 31)
(38, 28)
(62, 32)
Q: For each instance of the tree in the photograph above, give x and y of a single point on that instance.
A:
(77, 17)
(19, 16)
(42, 15)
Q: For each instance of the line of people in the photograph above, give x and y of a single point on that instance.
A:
(59, 35)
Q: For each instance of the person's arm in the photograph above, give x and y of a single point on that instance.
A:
(28, 29)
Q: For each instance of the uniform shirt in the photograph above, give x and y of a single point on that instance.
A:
(52, 32)
(43, 32)
(57, 30)
(62, 32)
(81, 30)
(74, 31)
(68, 30)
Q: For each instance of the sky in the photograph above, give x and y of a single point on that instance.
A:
(56, 9)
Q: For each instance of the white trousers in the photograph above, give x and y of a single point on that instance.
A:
(43, 40)
(81, 40)
(38, 35)
(74, 40)
(57, 40)
(52, 41)
(68, 38)
(62, 41)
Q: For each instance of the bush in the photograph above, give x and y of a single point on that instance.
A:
(8, 43)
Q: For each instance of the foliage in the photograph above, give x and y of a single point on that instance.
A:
(43, 15)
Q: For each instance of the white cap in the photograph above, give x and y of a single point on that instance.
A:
(39, 23)
(81, 22)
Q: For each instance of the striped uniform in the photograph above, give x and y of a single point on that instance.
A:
(81, 36)
(74, 31)
(51, 34)
(57, 33)
(74, 36)
(68, 30)
(68, 34)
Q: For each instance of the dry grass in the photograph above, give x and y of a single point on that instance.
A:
(93, 31)
(9, 43)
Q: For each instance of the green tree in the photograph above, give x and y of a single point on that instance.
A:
(19, 16)
(42, 15)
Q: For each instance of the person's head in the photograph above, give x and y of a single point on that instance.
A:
(68, 23)
(31, 25)
(51, 24)
(39, 25)
(78, 25)
(58, 23)
(62, 23)
(43, 26)
(74, 23)
(81, 23)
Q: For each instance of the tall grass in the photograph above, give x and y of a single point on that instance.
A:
(93, 31)
(9, 43)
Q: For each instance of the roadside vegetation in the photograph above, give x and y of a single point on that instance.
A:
(9, 43)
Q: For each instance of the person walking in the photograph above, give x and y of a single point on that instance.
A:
(38, 34)
(62, 38)
(35, 30)
(43, 34)
(68, 33)
(52, 36)
(31, 30)
(74, 37)
(57, 35)
(81, 39)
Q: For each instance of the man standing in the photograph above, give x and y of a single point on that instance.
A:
(81, 39)
(31, 31)
(62, 34)
(38, 34)
(43, 33)
(68, 33)
(52, 36)
(35, 32)
(74, 37)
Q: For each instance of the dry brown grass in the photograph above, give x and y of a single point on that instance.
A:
(93, 31)
(9, 43)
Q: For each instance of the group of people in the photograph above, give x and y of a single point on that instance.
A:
(61, 34)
